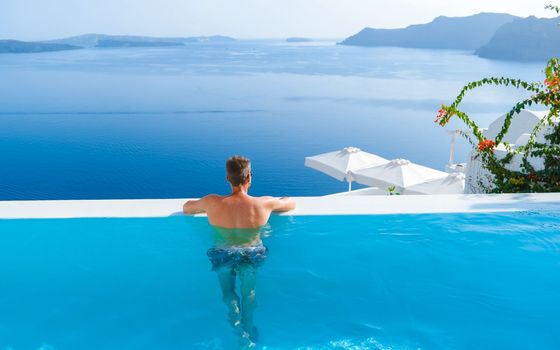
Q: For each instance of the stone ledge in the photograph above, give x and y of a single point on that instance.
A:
(328, 205)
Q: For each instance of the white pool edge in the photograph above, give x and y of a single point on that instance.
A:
(351, 205)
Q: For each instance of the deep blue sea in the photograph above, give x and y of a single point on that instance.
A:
(160, 122)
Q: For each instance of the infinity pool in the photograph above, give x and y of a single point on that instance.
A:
(446, 281)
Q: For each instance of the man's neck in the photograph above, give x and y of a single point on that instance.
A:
(244, 189)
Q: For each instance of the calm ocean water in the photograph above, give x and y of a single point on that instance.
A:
(156, 123)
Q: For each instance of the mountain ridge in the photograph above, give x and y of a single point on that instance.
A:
(524, 39)
(441, 33)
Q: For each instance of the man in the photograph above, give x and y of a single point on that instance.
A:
(238, 210)
(237, 220)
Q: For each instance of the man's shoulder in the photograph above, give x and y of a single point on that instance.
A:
(266, 201)
(212, 197)
(264, 198)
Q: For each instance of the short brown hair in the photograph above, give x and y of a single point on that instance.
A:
(238, 169)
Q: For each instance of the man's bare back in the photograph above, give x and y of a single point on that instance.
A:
(239, 210)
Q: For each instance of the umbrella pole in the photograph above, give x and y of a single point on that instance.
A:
(452, 150)
(349, 186)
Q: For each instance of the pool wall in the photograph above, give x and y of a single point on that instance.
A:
(328, 205)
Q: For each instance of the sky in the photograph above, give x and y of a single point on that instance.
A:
(49, 19)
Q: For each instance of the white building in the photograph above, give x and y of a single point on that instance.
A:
(522, 125)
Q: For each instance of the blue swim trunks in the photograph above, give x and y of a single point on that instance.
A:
(235, 256)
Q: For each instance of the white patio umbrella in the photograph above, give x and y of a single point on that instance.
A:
(453, 183)
(400, 173)
(339, 164)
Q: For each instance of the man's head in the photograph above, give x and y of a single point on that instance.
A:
(238, 171)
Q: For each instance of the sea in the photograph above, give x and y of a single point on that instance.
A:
(161, 122)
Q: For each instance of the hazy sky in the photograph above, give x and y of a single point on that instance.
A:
(44, 19)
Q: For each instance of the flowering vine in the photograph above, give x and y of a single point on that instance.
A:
(526, 179)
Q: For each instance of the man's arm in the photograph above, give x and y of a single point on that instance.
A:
(282, 204)
(196, 206)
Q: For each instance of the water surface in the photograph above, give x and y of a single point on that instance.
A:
(352, 282)
(160, 122)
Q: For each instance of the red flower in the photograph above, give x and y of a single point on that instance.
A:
(486, 145)
(532, 177)
(442, 113)
(553, 83)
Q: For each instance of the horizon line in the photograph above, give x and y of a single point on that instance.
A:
(247, 38)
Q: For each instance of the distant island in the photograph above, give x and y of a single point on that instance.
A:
(16, 46)
(298, 40)
(127, 43)
(104, 41)
(93, 40)
(462, 33)
(210, 39)
(527, 39)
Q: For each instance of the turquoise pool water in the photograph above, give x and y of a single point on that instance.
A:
(467, 281)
